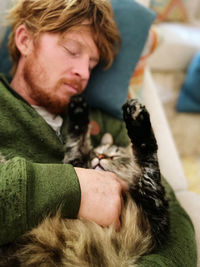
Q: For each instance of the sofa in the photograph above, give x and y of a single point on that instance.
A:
(169, 160)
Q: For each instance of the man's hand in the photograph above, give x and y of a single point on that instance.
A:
(101, 196)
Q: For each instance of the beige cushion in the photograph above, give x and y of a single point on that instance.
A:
(179, 43)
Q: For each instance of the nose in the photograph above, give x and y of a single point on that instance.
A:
(101, 156)
(81, 69)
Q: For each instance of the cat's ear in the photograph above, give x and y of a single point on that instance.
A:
(107, 139)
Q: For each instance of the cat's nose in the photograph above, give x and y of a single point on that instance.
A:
(101, 156)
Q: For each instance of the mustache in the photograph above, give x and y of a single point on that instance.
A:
(75, 83)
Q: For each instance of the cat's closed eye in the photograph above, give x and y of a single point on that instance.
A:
(114, 157)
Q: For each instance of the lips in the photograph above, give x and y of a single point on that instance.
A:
(74, 85)
(73, 89)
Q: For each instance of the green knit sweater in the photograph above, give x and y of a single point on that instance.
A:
(34, 182)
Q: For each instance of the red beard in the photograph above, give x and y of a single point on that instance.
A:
(48, 97)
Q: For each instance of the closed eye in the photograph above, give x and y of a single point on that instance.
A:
(114, 157)
(71, 52)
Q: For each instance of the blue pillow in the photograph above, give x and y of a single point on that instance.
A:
(5, 63)
(189, 97)
(108, 90)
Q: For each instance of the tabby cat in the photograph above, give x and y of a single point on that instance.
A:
(144, 218)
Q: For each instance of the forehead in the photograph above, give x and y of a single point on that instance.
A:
(108, 149)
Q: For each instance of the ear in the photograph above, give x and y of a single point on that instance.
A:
(23, 40)
(107, 139)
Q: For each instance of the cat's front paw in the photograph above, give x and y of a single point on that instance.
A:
(78, 112)
(139, 128)
(78, 107)
(135, 114)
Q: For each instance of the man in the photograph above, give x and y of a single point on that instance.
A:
(54, 46)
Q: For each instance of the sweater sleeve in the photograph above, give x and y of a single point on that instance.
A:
(30, 191)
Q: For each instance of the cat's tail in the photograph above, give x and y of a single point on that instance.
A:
(134, 237)
(59, 242)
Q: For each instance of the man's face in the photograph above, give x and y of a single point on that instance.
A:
(59, 67)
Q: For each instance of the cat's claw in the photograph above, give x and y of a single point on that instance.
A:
(135, 112)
